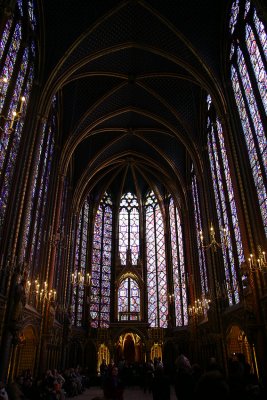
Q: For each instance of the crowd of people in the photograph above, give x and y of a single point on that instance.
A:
(53, 385)
(189, 380)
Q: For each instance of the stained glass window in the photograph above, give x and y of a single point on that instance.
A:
(20, 6)
(129, 300)
(178, 266)
(201, 252)
(35, 216)
(31, 13)
(129, 228)
(17, 65)
(233, 254)
(10, 140)
(11, 57)
(4, 38)
(257, 64)
(101, 265)
(248, 75)
(80, 264)
(156, 264)
(234, 15)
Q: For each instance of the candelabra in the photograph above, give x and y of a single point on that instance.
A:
(213, 243)
(78, 279)
(40, 292)
(259, 262)
(15, 115)
(199, 307)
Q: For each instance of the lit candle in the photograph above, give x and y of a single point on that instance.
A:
(22, 100)
(14, 114)
(249, 262)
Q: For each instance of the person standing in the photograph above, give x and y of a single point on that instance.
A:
(113, 387)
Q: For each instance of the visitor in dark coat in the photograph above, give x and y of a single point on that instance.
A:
(161, 385)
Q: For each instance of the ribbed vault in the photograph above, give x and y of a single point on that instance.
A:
(132, 79)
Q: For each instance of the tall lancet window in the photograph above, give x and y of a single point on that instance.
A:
(129, 228)
(156, 264)
(101, 265)
(17, 56)
(199, 228)
(233, 254)
(178, 265)
(35, 223)
(80, 262)
(248, 58)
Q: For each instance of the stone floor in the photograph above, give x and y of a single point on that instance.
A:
(132, 393)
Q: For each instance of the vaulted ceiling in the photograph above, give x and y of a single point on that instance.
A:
(132, 78)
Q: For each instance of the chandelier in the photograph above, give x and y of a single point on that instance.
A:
(199, 307)
(214, 244)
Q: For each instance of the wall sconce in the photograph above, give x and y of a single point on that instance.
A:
(213, 243)
(78, 279)
(259, 262)
(15, 114)
(171, 298)
(200, 307)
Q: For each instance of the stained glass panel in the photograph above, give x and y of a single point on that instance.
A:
(226, 208)
(156, 264)
(257, 64)
(234, 15)
(4, 38)
(129, 228)
(128, 300)
(201, 252)
(10, 141)
(10, 63)
(261, 33)
(245, 69)
(180, 297)
(101, 265)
